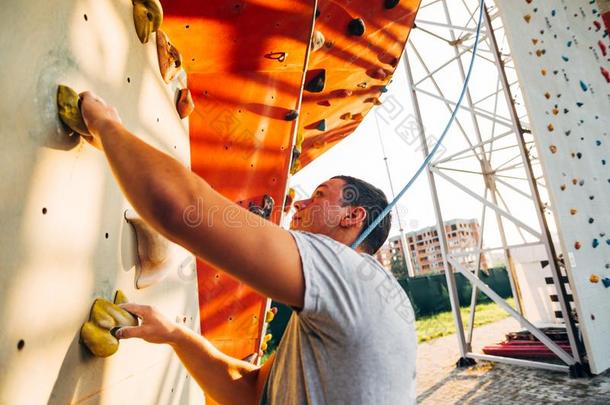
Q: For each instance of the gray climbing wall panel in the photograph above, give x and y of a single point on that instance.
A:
(560, 50)
(64, 240)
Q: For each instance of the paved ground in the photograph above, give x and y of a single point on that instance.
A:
(439, 382)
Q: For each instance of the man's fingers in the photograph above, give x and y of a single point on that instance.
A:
(127, 332)
(88, 95)
(138, 310)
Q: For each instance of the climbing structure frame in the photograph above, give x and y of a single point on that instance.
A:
(495, 165)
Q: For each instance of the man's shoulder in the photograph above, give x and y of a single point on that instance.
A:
(322, 243)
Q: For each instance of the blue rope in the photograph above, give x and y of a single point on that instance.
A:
(428, 158)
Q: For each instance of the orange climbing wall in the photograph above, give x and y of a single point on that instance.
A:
(354, 65)
(240, 141)
(246, 63)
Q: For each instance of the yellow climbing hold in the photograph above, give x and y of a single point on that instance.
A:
(105, 317)
(594, 278)
(269, 315)
(147, 17)
(68, 107)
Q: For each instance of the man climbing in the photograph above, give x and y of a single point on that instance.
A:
(351, 338)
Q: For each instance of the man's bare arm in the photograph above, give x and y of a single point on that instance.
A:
(226, 379)
(164, 193)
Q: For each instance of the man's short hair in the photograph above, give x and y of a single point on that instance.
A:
(359, 193)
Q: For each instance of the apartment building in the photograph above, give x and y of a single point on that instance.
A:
(425, 251)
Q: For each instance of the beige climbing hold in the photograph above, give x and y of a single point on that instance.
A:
(555, 111)
(550, 127)
(553, 149)
(170, 60)
(147, 17)
(594, 278)
(317, 41)
(104, 319)
(152, 249)
(185, 104)
(527, 18)
(573, 211)
(68, 107)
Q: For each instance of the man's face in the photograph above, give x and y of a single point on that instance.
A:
(322, 212)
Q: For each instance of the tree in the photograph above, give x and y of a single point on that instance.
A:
(399, 268)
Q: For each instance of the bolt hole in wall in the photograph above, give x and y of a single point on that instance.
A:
(106, 235)
(20, 344)
(128, 80)
(85, 17)
(44, 210)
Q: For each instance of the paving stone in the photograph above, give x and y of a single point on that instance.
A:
(439, 382)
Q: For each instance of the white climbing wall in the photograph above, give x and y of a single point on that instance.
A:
(64, 240)
(561, 55)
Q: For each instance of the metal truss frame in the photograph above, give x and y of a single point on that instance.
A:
(487, 133)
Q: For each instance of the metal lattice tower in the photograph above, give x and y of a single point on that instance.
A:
(492, 158)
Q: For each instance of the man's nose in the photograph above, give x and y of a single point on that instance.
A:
(299, 205)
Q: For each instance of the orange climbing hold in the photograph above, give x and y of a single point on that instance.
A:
(170, 60)
(185, 104)
(605, 73)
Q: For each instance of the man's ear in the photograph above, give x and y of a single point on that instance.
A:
(354, 216)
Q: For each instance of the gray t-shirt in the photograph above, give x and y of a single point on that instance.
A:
(354, 340)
